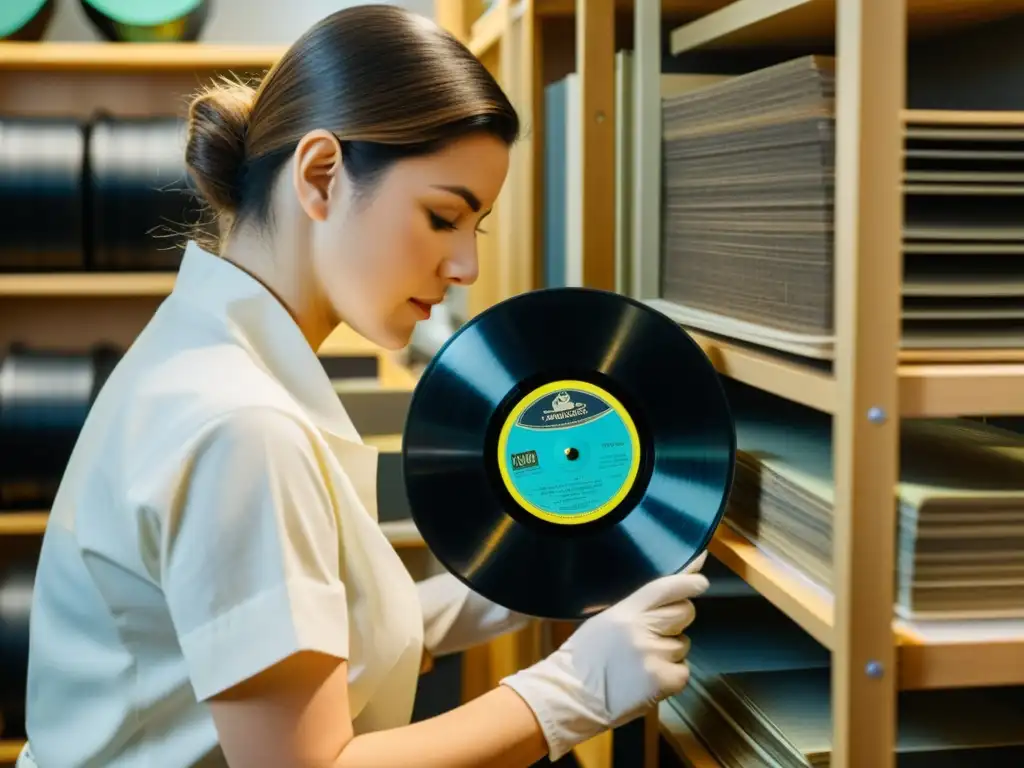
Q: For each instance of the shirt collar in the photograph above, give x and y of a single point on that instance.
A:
(259, 322)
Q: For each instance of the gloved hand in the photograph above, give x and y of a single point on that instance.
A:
(456, 618)
(616, 665)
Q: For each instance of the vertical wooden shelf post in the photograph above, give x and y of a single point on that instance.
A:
(595, 64)
(870, 86)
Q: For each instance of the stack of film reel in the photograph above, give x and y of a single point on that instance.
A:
(106, 194)
(125, 21)
(44, 399)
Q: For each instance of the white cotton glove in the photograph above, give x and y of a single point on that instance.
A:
(456, 618)
(616, 665)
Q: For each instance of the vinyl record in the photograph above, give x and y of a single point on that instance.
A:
(566, 446)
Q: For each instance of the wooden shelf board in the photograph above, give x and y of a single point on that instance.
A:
(749, 23)
(804, 601)
(960, 654)
(400, 533)
(981, 118)
(682, 740)
(934, 655)
(554, 8)
(9, 750)
(85, 284)
(773, 373)
(99, 285)
(23, 523)
(135, 57)
(925, 389)
(957, 389)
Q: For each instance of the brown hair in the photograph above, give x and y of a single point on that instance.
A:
(388, 83)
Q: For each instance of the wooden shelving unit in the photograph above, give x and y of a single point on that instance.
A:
(874, 655)
(527, 44)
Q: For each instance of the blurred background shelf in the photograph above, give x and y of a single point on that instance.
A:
(9, 750)
(806, 23)
(23, 523)
(56, 284)
(671, 8)
(75, 58)
(401, 533)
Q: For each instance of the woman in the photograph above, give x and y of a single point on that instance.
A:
(213, 588)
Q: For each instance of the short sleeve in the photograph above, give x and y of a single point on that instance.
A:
(250, 552)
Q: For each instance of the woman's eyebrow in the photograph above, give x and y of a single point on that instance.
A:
(471, 200)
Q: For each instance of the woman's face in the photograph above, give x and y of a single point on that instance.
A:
(384, 257)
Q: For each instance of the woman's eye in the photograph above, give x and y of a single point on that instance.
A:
(438, 223)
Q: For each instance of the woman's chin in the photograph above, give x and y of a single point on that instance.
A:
(394, 343)
(393, 336)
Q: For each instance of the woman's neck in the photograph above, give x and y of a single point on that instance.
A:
(288, 277)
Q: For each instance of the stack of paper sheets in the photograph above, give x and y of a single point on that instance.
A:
(960, 507)
(963, 236)
(748, 226)
(759, 696)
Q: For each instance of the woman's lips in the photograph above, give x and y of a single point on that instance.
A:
(422, 307)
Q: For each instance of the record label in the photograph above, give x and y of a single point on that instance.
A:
(568, 452)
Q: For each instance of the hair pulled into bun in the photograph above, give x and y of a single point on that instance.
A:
(388, 83)
(218, 122)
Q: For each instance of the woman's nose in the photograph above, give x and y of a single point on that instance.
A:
(462, 267)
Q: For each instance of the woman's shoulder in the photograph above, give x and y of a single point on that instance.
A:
(179, 369)
(163, 400)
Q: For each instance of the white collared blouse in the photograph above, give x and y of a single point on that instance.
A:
(218, 514)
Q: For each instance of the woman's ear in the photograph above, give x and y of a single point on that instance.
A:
(316, 168)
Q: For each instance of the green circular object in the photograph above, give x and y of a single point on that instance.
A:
(16, 15)
(144, 13)
(148, 21)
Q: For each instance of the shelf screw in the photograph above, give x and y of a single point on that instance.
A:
(599, 117)
(873, 669)
(876, 415)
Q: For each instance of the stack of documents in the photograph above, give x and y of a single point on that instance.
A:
(959, 506)
(749, 224)
(760, 697)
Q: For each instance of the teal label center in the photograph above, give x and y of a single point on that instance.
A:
(569, 454)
